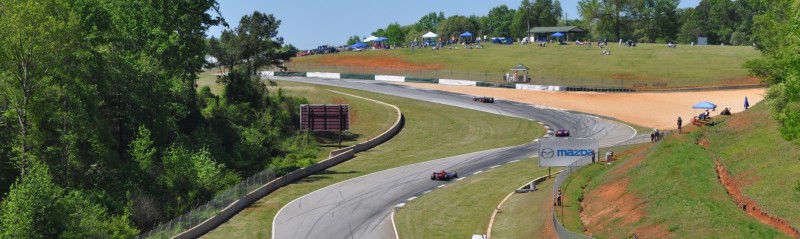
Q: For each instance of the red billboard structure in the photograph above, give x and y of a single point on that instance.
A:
(325, 117)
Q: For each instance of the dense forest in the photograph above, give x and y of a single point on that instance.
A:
(103, 131)
(727, 22)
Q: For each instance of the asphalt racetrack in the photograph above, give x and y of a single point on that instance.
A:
(361, 207)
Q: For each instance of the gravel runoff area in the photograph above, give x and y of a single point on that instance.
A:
(650, 109)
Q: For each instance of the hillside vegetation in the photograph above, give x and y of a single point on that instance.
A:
(671, 189)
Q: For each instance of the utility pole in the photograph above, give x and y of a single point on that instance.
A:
(529, 24)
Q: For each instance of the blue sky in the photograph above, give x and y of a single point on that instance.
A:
(308, 24)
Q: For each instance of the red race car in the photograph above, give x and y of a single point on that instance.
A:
(443, 176)
(562, 133)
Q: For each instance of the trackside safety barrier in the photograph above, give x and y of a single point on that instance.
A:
(205, 218)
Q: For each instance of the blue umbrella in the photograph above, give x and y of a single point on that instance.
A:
(704, 105)
(558, 34)
(746, 104)
(466, 34)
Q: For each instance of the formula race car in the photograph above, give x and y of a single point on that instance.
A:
(484, 99)
(443, 176)
(562, 133)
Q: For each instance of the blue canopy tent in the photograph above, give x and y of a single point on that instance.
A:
(359, 45)
(466, 35)
(704, 105)
(557, 35)
(382, 41)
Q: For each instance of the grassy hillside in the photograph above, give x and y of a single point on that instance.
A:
(673, 190)
(426, 124)
(554, 64)
(766, 166)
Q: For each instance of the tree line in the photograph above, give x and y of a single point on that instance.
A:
(104, 132)
(652, 21)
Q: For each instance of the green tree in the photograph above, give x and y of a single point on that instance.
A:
(498, 21)
(778, 38)
(395, 34)
(31, 208)
(259, 43)
(453, 26)
(430, 22)
(522, 20)
(37, 208)
(32, 51)
(353, 40)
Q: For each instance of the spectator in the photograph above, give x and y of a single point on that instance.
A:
(558, 198)
(680, 124)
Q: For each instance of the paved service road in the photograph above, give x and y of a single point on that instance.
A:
(361, 207)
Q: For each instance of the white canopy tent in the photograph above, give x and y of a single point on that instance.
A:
(430, 35)
(370, 38)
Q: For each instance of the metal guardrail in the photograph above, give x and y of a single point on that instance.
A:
(577, 165)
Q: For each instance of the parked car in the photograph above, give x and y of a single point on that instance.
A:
(304, 53)
(326, 49)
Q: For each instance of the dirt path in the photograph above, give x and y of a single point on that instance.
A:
(652, 110)
(750, 206)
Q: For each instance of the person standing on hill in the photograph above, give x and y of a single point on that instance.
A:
(680, 124)
(558, 198)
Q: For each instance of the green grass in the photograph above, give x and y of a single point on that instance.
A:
(524, 215)
(752, 151)
(207, 78)
(453, 130)
(367, 119)
(560, 65)
(463, 208)
(681, 193)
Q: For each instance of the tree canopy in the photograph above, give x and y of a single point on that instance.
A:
(103, 131)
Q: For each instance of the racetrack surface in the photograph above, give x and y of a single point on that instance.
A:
(360, 207)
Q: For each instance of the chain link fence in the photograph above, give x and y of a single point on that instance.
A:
(577, 165)
(498, 77)
(211, 208)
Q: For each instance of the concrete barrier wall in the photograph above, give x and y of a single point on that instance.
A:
(390, 78)
(324, 75)
(538, 87)
(289, 73)
(257, 194)
(457, 82)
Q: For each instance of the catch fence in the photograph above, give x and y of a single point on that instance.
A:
(211, 208)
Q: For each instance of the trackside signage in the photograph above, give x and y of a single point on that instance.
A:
(557, 152)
